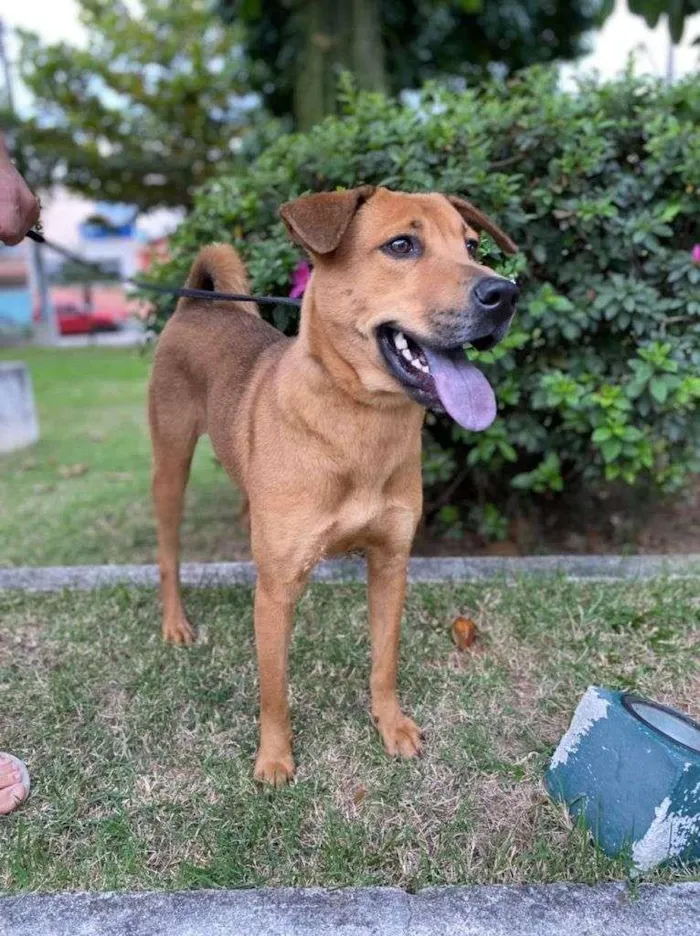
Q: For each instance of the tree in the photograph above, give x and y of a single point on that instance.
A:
(298, 46)
(146, 112)
(677, 11)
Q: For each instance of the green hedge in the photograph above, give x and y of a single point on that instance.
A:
(598, 378)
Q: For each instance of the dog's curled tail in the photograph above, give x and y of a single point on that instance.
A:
(218, 268)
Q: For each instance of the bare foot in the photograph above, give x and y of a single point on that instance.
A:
(274, 768)
(178, 630)
(400, 734)
(14, 784)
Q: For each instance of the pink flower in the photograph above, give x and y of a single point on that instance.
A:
(300, 279)
(695, 253)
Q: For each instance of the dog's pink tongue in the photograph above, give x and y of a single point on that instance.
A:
(463, 390)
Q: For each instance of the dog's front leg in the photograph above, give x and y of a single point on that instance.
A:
(274, 615)
(387, 585)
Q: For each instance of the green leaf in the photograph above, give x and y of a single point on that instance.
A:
(539, 253)
(659, 389)
(522, 481)
(671, 211)
(643, 370)
(634, 389)
(611, 449)
(508, 451)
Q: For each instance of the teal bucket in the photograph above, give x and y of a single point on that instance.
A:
(630, 769)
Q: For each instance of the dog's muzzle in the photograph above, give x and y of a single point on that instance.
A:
(492, 307)
(434, 369)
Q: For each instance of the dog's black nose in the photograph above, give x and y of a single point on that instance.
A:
(496, 295)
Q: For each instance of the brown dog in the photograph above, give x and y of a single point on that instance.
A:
(323, 431)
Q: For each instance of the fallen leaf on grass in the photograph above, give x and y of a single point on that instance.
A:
(359, 794)
(464, 632)
(72, 471)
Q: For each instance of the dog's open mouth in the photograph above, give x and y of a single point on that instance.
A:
(440, 378)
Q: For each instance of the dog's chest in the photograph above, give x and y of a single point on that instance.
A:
(367, 498)
(360, 507)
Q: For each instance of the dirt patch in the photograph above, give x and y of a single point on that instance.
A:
(610, 522)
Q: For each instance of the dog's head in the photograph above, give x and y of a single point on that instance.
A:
(398, 292)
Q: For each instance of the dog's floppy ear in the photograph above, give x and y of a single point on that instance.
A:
(318, 222)
(482, 222)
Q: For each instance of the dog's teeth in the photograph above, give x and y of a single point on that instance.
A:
(407, 354)
(400, 341)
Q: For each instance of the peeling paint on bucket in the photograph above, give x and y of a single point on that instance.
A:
(630, 768)
(667, 837)
(591, 709)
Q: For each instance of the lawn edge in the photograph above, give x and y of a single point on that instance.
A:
(455, 569)
(480, 910)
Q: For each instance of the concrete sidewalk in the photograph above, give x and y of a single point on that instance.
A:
(547, 910)
(453, 569)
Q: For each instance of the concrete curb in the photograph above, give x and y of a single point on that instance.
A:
(457, 569)
(546, 910)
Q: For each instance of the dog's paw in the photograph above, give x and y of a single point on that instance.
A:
(401, 735)
(276, 771)
(178, 631)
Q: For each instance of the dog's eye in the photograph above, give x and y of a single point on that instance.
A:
(472, 246)
(404, 246)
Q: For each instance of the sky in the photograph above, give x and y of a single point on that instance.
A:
(53, 19)
(624, 33)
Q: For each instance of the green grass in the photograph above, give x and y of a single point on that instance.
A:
(82, 494)
(141, 754)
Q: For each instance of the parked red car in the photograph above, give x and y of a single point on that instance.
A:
(77, 315)
(75, 321)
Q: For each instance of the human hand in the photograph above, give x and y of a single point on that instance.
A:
(19, 207)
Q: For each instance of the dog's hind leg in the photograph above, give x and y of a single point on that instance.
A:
(174, 435)
(275, 600)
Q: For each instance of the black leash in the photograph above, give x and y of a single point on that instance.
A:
(179, 292)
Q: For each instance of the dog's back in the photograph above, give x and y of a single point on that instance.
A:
(207, 352)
